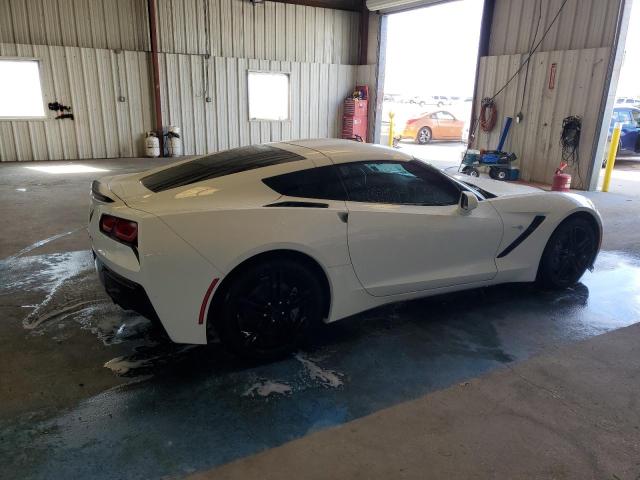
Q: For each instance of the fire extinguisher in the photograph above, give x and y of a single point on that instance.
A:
(561, 181)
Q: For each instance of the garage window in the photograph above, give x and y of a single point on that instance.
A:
(268, 96)
(20, 89)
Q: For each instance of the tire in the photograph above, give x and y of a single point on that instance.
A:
(424, 136)
(493, 173)
(501, 174)
(471, 171)
(262, 321)
(570, 250)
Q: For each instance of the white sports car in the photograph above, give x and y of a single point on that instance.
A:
(257, 245)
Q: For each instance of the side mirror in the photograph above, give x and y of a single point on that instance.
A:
(468, 202)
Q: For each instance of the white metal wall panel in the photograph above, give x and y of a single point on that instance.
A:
(94, 52)
(266, 31)
(582, 24)
(121, 24)
(580, 79)
(317, 92)
(90, 81)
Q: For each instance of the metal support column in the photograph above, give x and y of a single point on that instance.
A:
(153, 32)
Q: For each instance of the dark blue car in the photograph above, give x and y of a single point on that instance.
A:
(629, 117)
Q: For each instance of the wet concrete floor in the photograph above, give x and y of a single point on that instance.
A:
(92, 391)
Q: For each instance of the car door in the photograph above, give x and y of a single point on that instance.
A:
(406, 232)
(448, 125)
(629, 131)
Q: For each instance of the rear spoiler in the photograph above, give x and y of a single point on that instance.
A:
(100, 192)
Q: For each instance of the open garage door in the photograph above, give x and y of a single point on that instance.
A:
(430, 57)
(393, 6)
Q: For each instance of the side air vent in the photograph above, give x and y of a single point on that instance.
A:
(298, 204)
(537, 220)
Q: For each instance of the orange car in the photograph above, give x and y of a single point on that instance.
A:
(433, 126)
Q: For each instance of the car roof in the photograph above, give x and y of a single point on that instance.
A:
(621, 109)
(344, 151)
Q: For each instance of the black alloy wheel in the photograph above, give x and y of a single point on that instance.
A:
(569, 253)
(270, 309)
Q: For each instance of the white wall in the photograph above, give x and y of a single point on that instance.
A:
(94, 51)
(580, 78)
(580, 43)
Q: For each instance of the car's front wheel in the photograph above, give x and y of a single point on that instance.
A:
(569, 252)
(270, 308)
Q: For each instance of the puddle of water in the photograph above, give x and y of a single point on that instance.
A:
(327, 378)
(264, 388)
(230, 409)
(60, 291)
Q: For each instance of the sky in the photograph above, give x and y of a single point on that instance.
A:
(629, 83)
(445, 38)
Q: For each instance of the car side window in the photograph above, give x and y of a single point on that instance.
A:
(399, 183)
(321, 183)
(445, 116)
(625, 117)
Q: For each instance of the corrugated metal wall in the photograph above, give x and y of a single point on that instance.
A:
(580, 79)
(266, 31)
(90, 81)
(119, 24)
(580, 45)
(75, 41)
(317, 91)
(224, 28)
(582, 24)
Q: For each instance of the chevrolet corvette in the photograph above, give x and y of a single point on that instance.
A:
(257, 246)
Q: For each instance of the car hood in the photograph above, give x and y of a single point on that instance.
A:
(496, 187)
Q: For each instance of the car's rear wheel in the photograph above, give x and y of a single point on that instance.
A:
(424, 135)
(569, 252)
(270, 308)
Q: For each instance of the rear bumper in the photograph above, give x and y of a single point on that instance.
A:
(410, 132)
(127, 294)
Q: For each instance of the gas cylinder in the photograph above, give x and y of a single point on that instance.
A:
(174, 140)
(151, 145)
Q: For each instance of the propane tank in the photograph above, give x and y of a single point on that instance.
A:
(174, 141)
(151, 145)
(561, 181)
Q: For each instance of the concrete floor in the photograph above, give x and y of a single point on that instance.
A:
(91, 391)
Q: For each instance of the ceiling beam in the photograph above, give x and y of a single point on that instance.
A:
(349, 5)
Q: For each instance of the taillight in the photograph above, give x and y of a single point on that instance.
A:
(412, 120)
(125, 231)
(107, 222)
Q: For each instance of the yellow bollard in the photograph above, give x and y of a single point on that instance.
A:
(391, 115)
(611, 158)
